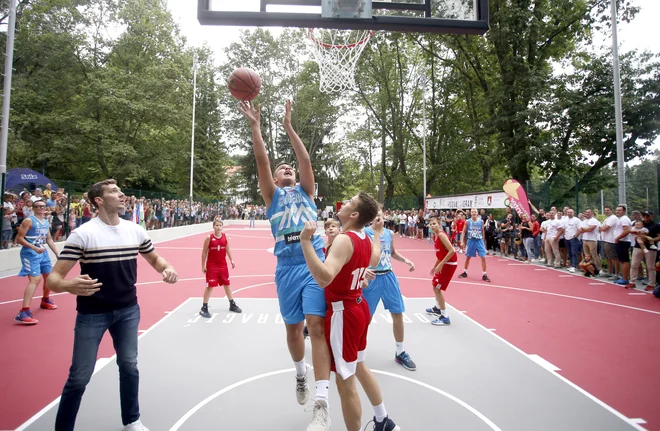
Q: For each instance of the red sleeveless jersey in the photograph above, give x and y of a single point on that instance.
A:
(217, 251)
(347, 284)
(460, 223)
(440, 250)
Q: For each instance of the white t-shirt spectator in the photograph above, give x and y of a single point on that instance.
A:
(594, 235)
(552, 228)
(623, 222)
(609, 235)
(571, 226)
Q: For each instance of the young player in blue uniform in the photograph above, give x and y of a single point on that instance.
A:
(290, 205)
(33, 235)
(386, 288)
(473, 233)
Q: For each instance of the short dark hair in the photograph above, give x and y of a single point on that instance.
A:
(96, 191)
(368, 208)
(280, 164)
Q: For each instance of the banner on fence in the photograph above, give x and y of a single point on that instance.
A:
(517, 197)
(477, 200)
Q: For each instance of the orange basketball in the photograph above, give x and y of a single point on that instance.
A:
(244, 83)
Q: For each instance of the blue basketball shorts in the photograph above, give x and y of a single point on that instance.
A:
(386, 288)
(474, 247)
(34, 264)
(298, 293)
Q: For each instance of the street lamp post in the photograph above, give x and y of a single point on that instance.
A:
(9, 60)
(620, 159)
(424, 143)
(192, 139)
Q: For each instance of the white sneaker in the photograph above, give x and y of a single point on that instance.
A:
(302, 391)
(135, 426)
(571, 269)
(320, 417)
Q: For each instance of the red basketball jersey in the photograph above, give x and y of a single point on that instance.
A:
(217, 251)
(460, 223)
(347, 284)
(440, 250)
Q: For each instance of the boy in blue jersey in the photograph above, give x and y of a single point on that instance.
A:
(33, 235)
(473, 233)
(290, 205)
(386, 288)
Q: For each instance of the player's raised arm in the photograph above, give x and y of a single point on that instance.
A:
(266, 183)
(305, 171)
(340, 253)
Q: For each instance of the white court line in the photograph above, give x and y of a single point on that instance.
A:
(540, 269)
(106, 362)
(566, 275)
(637, 293)
(34, 297)
(638, 420)
(542, 362)
(559, 376)
(517, 264)
(226, 389)
(541, 292)
(597, 284)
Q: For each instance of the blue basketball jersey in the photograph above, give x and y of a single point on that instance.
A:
(474, 229)
(290, 209)
(385, 262)
(38, 233)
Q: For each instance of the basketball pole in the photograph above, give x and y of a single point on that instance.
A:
(424, 141)
(192, 139)
(6, 93)
(620, 159)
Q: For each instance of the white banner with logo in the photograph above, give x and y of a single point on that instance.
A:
(465, 202)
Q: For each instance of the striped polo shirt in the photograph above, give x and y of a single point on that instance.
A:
(109, 254)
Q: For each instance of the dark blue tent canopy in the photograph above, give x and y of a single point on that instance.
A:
(20, 179)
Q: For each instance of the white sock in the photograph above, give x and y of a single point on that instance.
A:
(322, 388)
(380, 412)
(437, 305)
(399, 347)
(301, 368)
(444, 313)
(484, 272)
(465, 271)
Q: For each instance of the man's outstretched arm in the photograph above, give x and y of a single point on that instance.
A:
(305, 171)
(266, 183)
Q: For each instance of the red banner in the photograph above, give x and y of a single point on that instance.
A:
(517, 197)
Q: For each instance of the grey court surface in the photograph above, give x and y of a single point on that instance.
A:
(233, 372)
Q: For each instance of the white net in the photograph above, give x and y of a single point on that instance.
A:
(337, 53)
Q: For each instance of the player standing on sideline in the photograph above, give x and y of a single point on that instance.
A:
(442, 272)
(33, 234)
(473, 233)
(107, 248)
(348, 317)
(215, 251)
(386, 288)
(300, 298)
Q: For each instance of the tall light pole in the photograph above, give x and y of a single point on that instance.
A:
(6, 92)
(192, 139)
(424, 141)
(620, 159)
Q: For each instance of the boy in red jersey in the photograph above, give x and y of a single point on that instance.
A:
(460, 224)
(214, 265)
(442, 271)
(347, 319)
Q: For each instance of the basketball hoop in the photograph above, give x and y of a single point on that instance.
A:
(337, 52)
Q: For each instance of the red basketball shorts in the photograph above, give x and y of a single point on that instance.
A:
(217, 276)
(346, 335)
(441, 280)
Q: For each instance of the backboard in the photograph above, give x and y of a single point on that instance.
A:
(419, 16)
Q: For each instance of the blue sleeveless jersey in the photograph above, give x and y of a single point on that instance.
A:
(474, 229)
(290, 209)
(385, 262)
(37, 234)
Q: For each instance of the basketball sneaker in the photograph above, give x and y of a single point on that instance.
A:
(320, 417)
(434, 311)
(485, 278)
(387, 425)
(26, 318)
(405, 361)
(204, 312)
(234, 308)
(48, 304)
(463, 275)
(135, 426)
(302, 391)
(441, 321)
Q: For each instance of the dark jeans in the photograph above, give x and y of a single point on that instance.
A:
(573, 247)
(123, 327)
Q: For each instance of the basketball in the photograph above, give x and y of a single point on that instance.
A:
(244, 84)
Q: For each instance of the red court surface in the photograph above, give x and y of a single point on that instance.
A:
(602, 337)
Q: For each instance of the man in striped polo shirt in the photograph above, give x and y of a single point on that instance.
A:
(107, 248)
